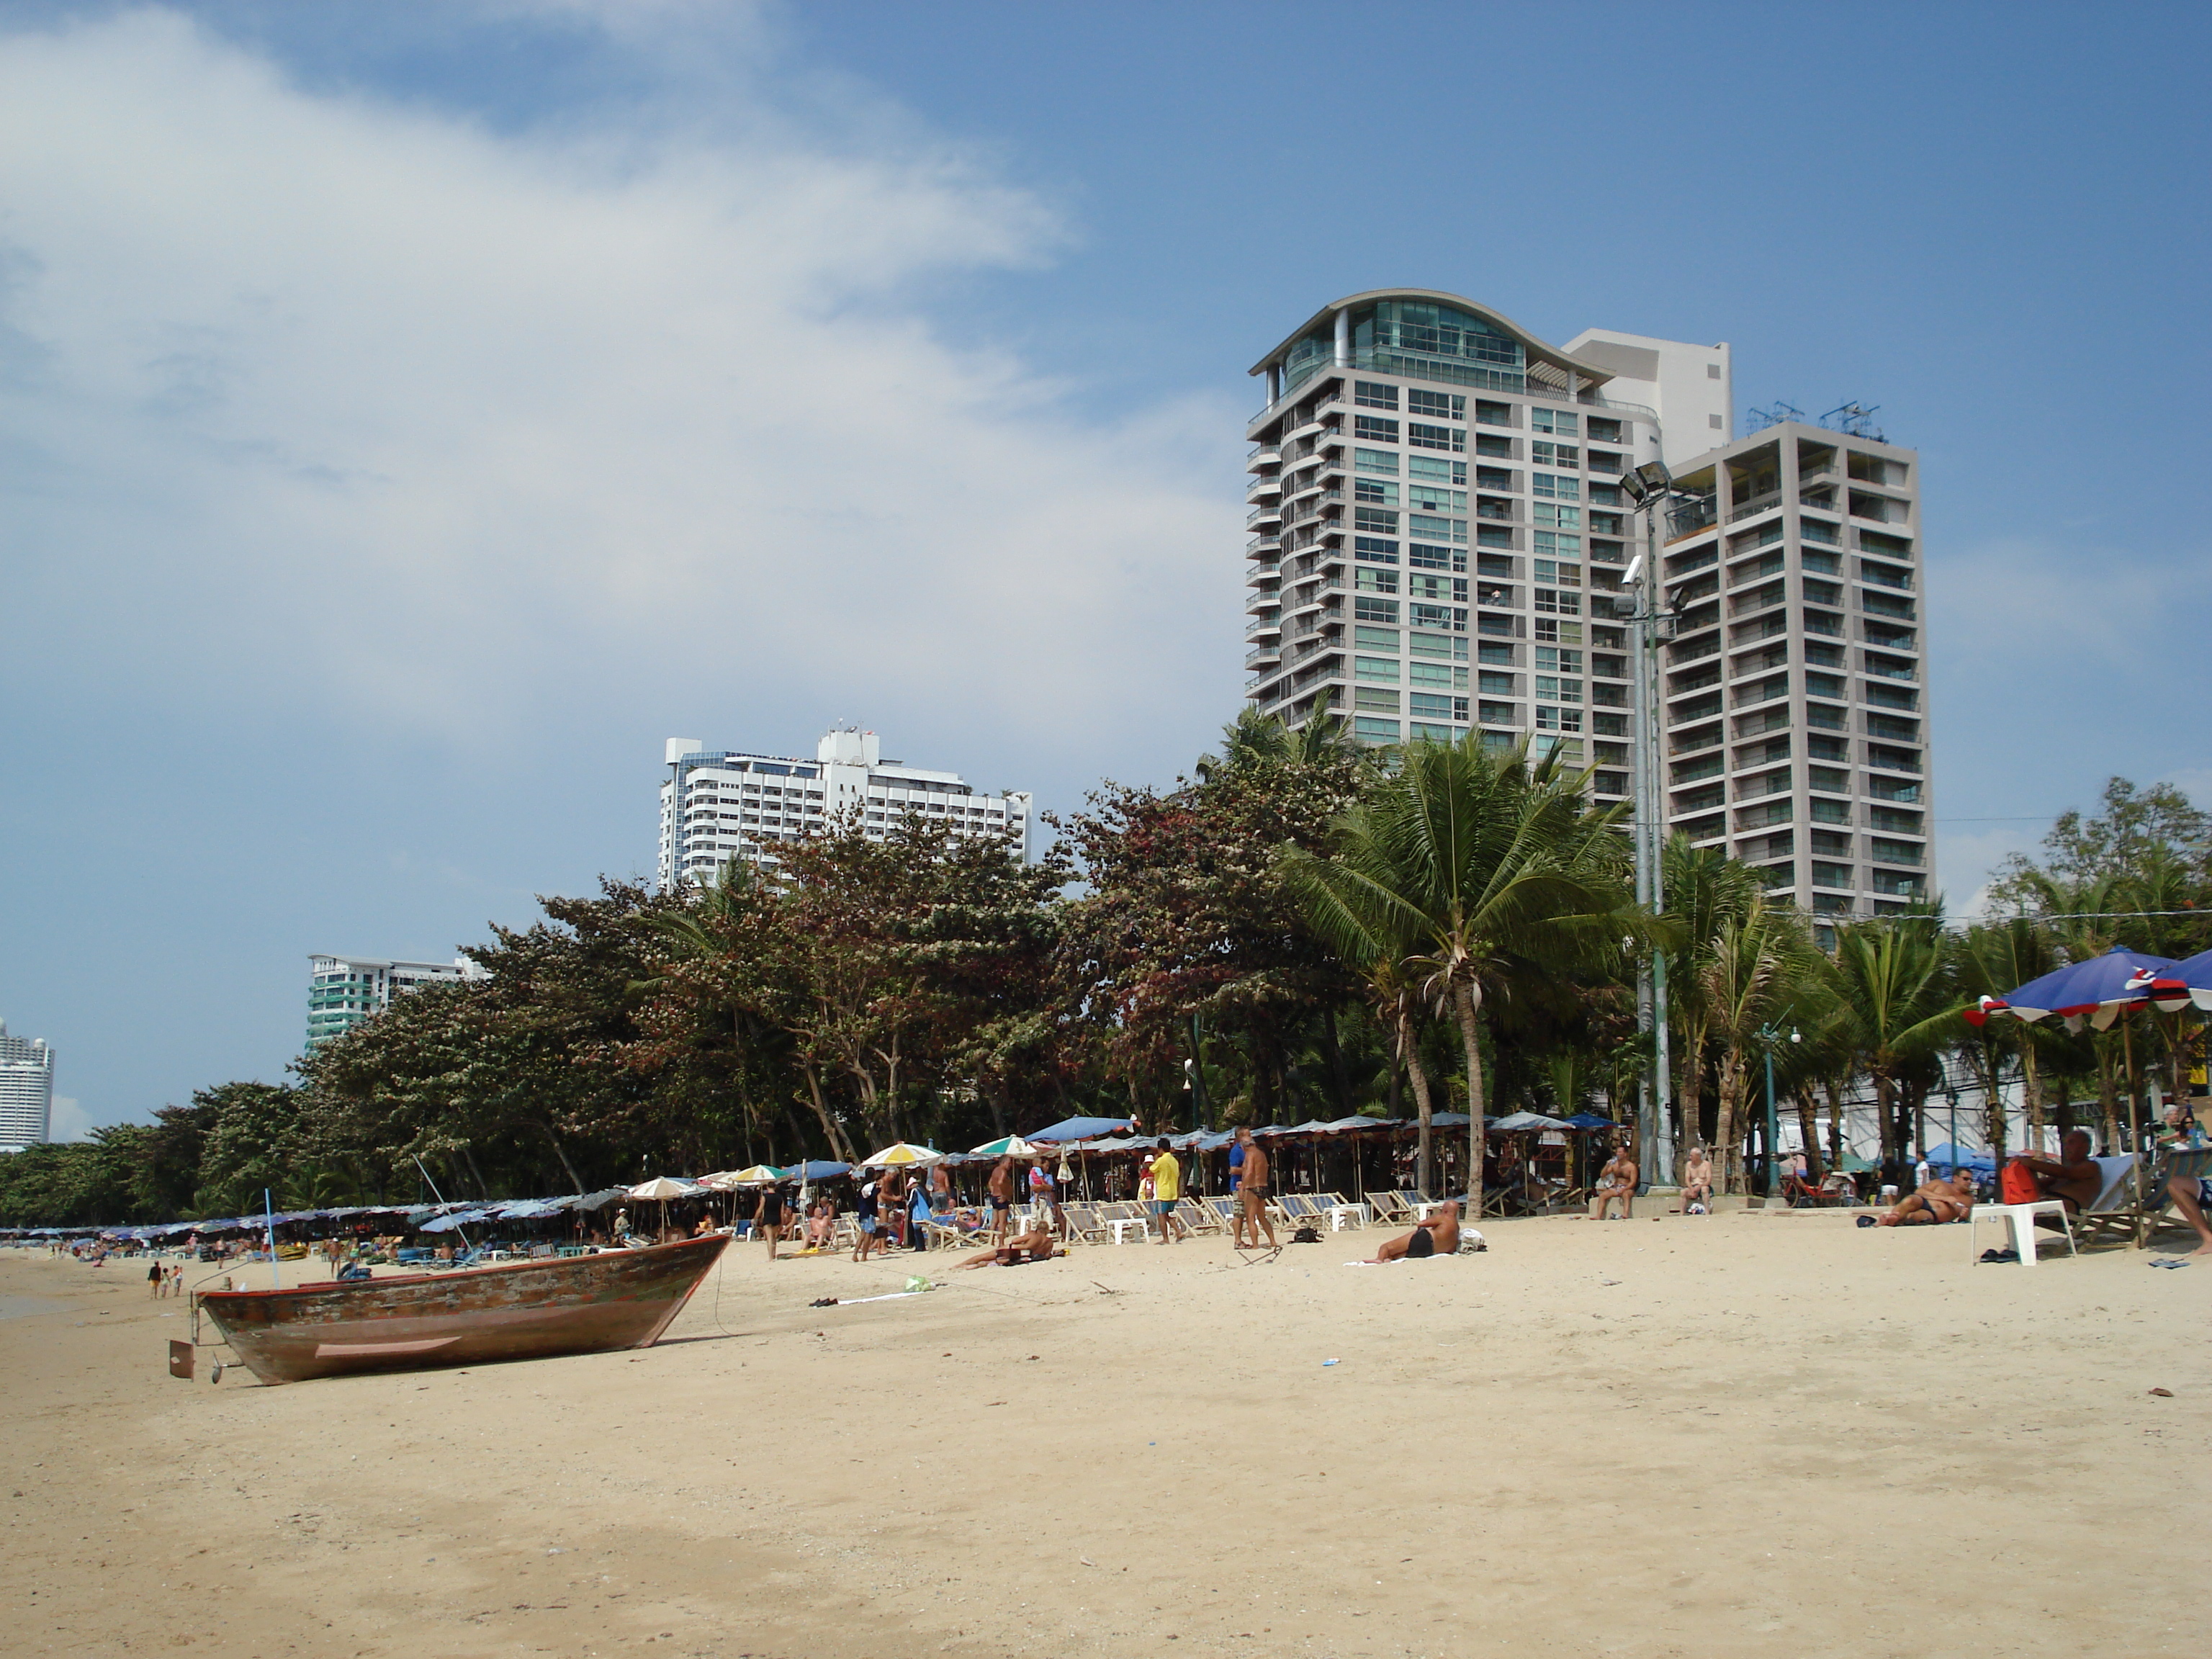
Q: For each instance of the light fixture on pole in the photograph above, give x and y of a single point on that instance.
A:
(1770, 1036)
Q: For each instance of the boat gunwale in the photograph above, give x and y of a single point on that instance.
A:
(323, 1286)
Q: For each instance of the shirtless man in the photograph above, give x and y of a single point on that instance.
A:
(1936, 1202)
(1616, 1184)
(1697, 1180)
(2073, 1178)
(1437, 1236)
(1002, 1198)
(1252, 1194)
(1036, 1246)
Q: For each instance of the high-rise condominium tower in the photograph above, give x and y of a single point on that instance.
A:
(343, 991)
(719, 805)
(1439, 543)
(26, 1090)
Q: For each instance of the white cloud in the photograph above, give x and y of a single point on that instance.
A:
(68, 1121)
(317, 392)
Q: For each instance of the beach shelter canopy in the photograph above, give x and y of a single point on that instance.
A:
(1947, 1157)
(1356, 1125)
(815, 1168)
(901, 1155)
(1006, 1146)
(664, 1188)
(2097, 990)
(446, 1224)
(1518, 1121)
(1083, 1128)
(1590, 1121)
(1449, 1120)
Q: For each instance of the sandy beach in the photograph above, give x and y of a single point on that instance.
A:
(1742, 1434)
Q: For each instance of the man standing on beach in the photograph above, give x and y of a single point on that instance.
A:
(1002, 1199)
(1236, 1183)
(1252, 1193)
(1167, 1189)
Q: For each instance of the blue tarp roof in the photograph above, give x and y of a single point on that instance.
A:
(1084, 1128)
(1947, 1157)
(819, 1169)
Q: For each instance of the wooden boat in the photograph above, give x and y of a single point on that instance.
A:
(515, 1310)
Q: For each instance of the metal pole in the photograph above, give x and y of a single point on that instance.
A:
(1649, 1108)
(268, 1213)
(1773, 1184)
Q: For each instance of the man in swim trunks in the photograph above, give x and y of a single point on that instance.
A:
(1616, 1185)
(1696, 1179)
(1252, 1193)
(865, 1208)
(2073, 1179)
(1936, 1202)
(1002, 1198)
(1235, 1182)
(1036, 1246)
(1437, 1236)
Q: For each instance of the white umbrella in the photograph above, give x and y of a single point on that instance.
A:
(903, 1155)
(664, 1188)
(1008, 1147)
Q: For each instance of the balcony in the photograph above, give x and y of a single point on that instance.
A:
(1882, 604)
(1265, 657)
(1753, 509)
(1267, 518)
(1267, 627)
(1759, 817)
(1699, 708)
(1893, 789)
(1261, 455)
(1691, 771)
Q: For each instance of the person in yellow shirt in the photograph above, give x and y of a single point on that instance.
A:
(1167, 1188)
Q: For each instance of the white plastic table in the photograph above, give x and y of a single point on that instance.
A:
(2021, 1218)
(1343, 1215)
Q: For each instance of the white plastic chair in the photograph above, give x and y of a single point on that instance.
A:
(2020, 1218)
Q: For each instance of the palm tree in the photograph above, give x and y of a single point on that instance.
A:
(1750, 978)
(1706, 890)
(1471, 868)
(1888, 974)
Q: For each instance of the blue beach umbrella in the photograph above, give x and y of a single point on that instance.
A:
(2097, 990)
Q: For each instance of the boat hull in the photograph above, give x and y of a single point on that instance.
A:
(517, 1310)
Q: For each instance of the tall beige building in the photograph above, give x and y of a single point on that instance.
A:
(1439, 540)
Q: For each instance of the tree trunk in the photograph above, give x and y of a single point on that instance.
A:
(840, 1148)
(483, 1190)
(2031, 1075)
(1409, 1050)
(1731, 1124)
(1468, 997)
(1836, 1144)
(561, 1152)
(1809, 1133)
(1343, 1084)
(2107, 1090)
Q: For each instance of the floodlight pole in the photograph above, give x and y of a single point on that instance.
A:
(1654, 1134)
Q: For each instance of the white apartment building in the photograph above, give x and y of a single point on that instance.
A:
(343, 991)
(724, 804)
(1438, 543)
(27, 1092)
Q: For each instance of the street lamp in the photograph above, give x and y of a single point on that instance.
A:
(1651, 488)
(1770, 1036)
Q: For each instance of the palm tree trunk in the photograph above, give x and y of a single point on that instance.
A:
(2032, 1087)
(1814, 1166)
(1409, 1050)
(1467, 996)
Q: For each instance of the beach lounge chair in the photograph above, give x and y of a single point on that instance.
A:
(2157, 1209)
(1083, 1222)
(2119, 1206)
(1224, 1209)
(1391, 1208)
(1193, 1214)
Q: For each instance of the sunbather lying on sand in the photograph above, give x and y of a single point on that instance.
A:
(1023, 1247)
(1437, 1236)
(1937, 1201)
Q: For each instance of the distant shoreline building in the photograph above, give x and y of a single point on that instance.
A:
(27, 1092)
(343, 991)
(717, 805)
(1439, 540)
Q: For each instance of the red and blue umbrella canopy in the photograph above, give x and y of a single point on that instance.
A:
(2098, 990)
(2183, 984)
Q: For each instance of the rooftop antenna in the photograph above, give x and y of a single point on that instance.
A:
(1854, 422)
(1760, 419)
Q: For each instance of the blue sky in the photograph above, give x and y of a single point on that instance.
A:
(410, 416)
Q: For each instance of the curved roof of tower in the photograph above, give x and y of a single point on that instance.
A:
(1538, 351)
